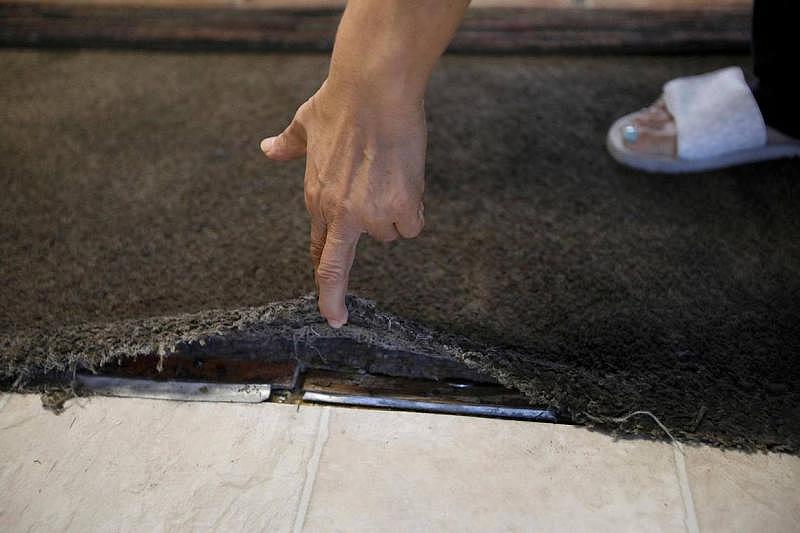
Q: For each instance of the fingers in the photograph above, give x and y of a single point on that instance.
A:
(290, 144)
(333, 249)
(333, 271)
(383, 231)
(409, 224)
(318, 232)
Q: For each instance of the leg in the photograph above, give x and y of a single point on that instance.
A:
(776, 49)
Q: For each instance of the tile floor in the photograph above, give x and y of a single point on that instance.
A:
(109, 464)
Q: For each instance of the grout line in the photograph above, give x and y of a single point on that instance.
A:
(689, 514)
(4, 397)
(311, 470)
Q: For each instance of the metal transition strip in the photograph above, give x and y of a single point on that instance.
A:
(192, 391)
(493, 411)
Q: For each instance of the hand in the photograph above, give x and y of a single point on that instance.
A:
(364, 173)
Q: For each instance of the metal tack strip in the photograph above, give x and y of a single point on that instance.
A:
(191, 391)
(494, 411)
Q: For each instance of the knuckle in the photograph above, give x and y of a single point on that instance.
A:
(280, 142)
(299, 119)
(336, 240)
(310, 196)
(334, 208)
(330, 274)
(382, 230)
(400, 199)
(407, 202)
(303, 111)
(315, 248)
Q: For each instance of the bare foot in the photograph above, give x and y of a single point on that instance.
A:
(656, 133)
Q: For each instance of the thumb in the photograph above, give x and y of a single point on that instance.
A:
(290, 144)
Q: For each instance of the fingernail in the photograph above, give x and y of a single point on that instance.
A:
(266, 144)
(336, 324)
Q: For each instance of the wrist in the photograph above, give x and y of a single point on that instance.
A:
(376, 84)
(379, 55)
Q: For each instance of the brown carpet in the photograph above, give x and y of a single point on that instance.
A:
(134, 187)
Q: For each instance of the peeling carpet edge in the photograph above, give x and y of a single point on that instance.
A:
(45, 360)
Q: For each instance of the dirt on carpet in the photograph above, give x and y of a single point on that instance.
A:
(134, 188)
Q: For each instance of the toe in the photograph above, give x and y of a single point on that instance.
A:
(655, 116)
(654, 141)
(652, 117)
(653, 131)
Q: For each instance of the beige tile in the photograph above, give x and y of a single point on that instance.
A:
(390, 471)
(735, 491)
(142, 465)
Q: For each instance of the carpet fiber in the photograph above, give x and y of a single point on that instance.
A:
(134, 188)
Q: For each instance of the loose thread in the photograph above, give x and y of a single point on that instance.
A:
(625, 418)
(690, 515)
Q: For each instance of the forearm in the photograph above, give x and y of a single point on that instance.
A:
(388, 48)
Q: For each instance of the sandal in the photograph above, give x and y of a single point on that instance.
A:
(718, 124)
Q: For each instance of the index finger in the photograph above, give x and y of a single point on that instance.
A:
(333, 272)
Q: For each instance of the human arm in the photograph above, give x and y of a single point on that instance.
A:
(363, 133)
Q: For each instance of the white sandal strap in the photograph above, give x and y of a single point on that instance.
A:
(715, 113)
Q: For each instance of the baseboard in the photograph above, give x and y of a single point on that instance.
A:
(489, 30)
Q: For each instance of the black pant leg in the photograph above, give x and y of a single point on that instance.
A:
(776, 63)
